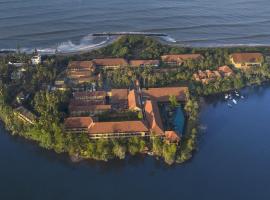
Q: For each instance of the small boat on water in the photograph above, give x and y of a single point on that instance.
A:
(226, 96)
(237, 94)
(234, 101)
(230, 105)
(242, 97)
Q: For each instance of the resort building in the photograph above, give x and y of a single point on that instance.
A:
(81, 72)
(134, 101)
(225, 71)
(246, 60)
(78, 124)
(110, 63)
(88, 110)
(153, 117)
(118, 98)
(208, 76)
(25, 115)
(163, 94)
(118, 129)
(144, 63)
(90, 96)
(179, 59)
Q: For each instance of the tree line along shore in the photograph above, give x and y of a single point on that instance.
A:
(37, 95)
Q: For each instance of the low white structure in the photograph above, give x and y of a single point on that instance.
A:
(36, 59)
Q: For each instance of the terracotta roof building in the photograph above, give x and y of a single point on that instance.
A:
(172, 136)
(119, 98)
(78, 124)
(134, 101)
(178, 59)
(144, 63)
(118, 129)
(163, 94)
(153, 117)
(206, 76)
(90, 96)
(246, 60)
(110, 62)
(88, 110)
(81, 71)
(81, 66)
(226, 71)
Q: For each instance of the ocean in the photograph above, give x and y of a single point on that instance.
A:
(68, 25)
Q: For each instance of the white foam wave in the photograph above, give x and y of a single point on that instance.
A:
(87, 43)
(168, 39)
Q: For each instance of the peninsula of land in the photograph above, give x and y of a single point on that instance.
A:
(135, 96)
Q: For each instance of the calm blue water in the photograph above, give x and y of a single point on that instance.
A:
(66, 24)
(232, 163)
(179, 120)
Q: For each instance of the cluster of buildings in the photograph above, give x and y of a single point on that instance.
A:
(207, 76)
(86, 106)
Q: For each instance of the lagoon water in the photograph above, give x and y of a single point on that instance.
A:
(68, 24)
(232, 163)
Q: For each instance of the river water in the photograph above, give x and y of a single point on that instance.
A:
(232, 162)
(68, 24)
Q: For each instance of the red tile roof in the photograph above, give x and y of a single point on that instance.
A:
(119, 95)
(225, 69)
(78, 122)
(172, 136)
(133, 100)
(111, 62)
(89, 108)
(89, 94)
(118, 127)
(180, 57)
(81, 65)
(79, 102)
(153, 117)
(163, 94)
(247, 57)
(139, 63)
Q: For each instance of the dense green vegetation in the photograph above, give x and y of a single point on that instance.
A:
(51, 106)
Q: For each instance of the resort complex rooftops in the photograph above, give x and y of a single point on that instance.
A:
(178, 59)
(118, 127)
(90, 95)
(145, 101)
(81, 65)
(144, 63)
(118, 95)
(110, 62)
(163, 94)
